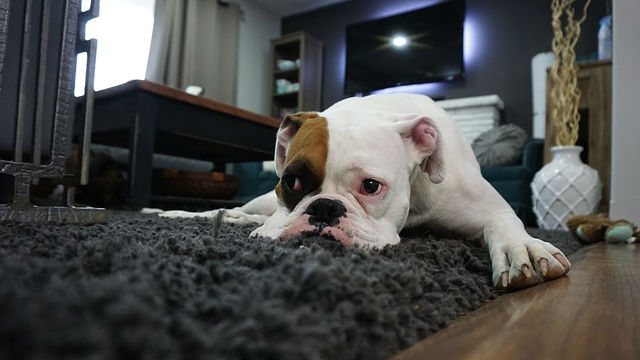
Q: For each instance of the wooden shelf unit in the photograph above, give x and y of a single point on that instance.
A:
(308, 74)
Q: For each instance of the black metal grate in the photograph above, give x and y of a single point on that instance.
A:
(39, 43)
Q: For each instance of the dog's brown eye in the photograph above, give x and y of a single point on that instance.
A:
(370, 186)
(293, 182)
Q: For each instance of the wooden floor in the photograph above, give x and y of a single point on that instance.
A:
(593, 313)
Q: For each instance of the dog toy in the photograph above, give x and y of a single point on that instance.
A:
(598, 227)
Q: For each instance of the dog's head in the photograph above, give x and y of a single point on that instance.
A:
(347, 175)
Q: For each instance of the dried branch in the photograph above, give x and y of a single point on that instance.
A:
(565, 95)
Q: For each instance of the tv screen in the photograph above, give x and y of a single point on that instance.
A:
(419, 46)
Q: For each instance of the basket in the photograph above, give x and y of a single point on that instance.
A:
(205, 185)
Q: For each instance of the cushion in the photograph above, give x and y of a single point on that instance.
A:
(500, 146)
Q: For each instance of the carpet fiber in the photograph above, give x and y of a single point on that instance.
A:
(146, 287)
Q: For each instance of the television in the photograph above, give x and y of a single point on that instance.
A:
(420, 46)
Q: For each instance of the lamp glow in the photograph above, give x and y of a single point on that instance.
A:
(399, 41)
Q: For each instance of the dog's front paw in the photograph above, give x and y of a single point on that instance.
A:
(265, 231)
(520, 264)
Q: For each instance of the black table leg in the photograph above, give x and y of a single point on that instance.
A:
(141, 152)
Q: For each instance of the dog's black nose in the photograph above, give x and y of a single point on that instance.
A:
(325, 212)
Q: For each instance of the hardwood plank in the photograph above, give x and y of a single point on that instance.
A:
(590, 314)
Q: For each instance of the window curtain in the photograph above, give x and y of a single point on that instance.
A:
(195, 42)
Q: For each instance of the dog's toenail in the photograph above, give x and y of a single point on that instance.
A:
(526, 271)
(563, 261)
(544, 266)
(504, 279)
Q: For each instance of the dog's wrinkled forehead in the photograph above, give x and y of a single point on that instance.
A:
(306, 156)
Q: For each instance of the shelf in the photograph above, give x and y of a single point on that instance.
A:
(287, 50)
(285, 72)
(193, 203)
(291, 74)
(285, 96)
(300, 47)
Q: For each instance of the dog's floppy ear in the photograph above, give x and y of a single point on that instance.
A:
(288, 129)
(423, 144)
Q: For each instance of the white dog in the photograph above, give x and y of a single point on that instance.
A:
(366, 168)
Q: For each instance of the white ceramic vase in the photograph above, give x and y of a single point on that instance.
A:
(563, 188)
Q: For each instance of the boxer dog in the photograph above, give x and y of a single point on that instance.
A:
(366, 168)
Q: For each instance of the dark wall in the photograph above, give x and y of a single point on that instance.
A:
(503, 36)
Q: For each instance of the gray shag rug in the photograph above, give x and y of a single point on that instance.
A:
(154, 288)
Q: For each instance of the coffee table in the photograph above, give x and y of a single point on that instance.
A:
(146, 118)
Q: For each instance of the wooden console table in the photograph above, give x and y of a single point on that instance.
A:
(147, 117)
(594, 82)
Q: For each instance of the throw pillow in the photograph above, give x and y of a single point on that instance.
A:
(500, 146)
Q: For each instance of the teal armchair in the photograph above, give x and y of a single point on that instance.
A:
(514, 182)
(254, 181)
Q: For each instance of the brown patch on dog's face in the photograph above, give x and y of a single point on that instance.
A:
(304, 167)
(279, 190)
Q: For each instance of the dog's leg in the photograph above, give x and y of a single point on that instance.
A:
(262, 205)
(519, 260)
(255, 211)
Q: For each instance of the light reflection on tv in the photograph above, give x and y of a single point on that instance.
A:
(420, 46)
